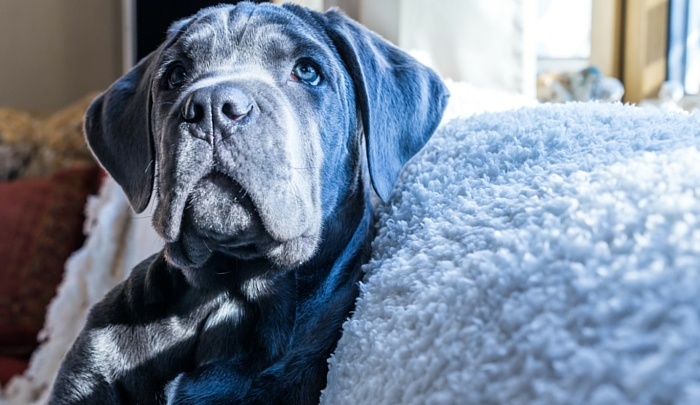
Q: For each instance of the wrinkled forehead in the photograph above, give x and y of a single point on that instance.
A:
(249, 32)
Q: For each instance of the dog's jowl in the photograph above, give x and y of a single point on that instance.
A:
(260, 132)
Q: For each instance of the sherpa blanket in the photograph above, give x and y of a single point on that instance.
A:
(545, 256)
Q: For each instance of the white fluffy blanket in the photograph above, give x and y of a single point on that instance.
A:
(544, 256)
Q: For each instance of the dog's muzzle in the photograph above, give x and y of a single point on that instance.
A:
(233, 185)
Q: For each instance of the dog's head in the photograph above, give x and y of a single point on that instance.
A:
(250, 119)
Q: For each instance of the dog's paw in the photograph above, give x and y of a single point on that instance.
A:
(214, 383)
(172, 388)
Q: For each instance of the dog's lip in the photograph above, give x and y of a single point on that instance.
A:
(229, 241)
(246, 252)
(218, 177)
(236, 241)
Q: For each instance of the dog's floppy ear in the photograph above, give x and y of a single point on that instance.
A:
(400, 100)
(117, 126)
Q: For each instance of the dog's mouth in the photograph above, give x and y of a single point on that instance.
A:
(221, 217)
(220, 209)
(222, 214)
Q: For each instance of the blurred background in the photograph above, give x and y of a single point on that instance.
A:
(55, 51)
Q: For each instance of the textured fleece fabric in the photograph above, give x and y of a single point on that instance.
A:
(546, 255)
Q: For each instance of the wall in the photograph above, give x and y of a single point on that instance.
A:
(606, 36)
(54, 51)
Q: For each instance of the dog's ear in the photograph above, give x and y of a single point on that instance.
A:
(400, 100)
(117, 126)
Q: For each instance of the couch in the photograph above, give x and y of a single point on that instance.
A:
(46, 175)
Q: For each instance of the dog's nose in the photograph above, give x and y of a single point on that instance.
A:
(218, 105)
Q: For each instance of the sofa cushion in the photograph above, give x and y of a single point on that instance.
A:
(10, 367)
(41, 222)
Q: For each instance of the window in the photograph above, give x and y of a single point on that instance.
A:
(563, 30)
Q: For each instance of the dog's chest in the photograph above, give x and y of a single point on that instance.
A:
(255, 333)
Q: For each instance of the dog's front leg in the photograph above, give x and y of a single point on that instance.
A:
(300, 374)
(139, 337)
(297, 378)
(219, 382)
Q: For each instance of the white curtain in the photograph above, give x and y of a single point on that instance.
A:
(684, 44)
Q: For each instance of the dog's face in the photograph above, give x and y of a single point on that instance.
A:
(236, 103)
(249, 114)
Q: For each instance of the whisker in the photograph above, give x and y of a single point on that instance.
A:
(207, 246)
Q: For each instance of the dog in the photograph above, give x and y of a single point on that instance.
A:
(264, 131)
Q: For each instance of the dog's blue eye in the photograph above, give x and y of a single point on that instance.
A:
(175, 76)
(306, 73)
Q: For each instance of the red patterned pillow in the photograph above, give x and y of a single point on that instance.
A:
(41, 222)
(9, 367)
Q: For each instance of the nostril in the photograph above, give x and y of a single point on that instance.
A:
(236, 112)
(192, 111)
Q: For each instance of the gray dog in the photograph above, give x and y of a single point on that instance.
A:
(262, 128)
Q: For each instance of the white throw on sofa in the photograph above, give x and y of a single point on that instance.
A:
(549, 255)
